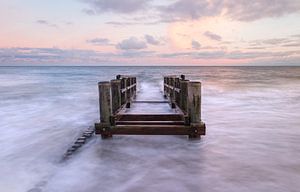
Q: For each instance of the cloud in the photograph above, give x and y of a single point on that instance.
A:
(118, 23)
(46, 23)
(151, 40)
(136, 54)
(99, 41)
(131, 44)
(212, 36)
(189, 9)
(257, 9)
(116, 6)
(291, 41)
(125, 23)
(292, 45)
(56, 56)
(30, 56)
(195, 44)
(234, 55)
(240, 10)
(182, 10)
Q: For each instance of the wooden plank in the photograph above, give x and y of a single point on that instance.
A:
(150, 123)
(128, 87)
(150, 101)
(192, 131)
(150, 117)
(172, 87)
(151, 130)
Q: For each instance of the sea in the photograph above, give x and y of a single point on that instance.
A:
(252, 142)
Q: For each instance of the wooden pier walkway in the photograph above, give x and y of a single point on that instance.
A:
(178, 112)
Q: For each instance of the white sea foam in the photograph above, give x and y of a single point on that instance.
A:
(252, 141)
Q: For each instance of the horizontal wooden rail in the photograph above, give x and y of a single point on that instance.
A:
(156, 130)
(129, 87)
(172, 87)
(149, 117)
(183, 95)
(150, 101)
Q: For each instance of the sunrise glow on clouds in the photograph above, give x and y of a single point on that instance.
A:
(150, 32)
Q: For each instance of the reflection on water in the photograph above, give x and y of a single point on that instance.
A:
(252, 141)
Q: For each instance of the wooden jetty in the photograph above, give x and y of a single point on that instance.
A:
(117, 96)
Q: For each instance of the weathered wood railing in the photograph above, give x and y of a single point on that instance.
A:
(184, 95)
(113, 96)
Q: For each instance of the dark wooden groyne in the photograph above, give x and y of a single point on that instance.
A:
(184, 96)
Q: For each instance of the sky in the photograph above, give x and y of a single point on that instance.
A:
(150, 32)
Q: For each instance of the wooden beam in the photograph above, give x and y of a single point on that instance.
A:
(157, 130)
(149, 122)
(150, 101)
(150, 117)
(150, 130)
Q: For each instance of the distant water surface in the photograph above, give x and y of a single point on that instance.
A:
(252, 143)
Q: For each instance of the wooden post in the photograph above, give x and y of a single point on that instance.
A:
(105, 110)
(173, 92)
(104, 100)
(167, 88)
(165, 81)
(184, 95)
(177, 94)
(127, 84)
(115, 95)
(131, 89)
(194, 111)
(182, 77)
(134, 89)
(123, 94)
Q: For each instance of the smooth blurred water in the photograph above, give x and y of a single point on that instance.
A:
(252, 142)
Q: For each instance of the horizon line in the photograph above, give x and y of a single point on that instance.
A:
(149, 65)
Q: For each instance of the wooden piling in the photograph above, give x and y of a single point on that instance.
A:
(128, 92)
(173, 96)
(123, 93)
(105, 109)
(104, 101)
(184, 95)
(194, 108)
(115, 95)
